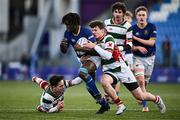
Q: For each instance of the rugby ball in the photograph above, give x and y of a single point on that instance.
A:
(81, 42)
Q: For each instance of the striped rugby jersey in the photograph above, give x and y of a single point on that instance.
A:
(112, 65)
(49, 100)
(122, 33)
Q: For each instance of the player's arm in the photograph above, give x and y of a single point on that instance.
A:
(104, 53)
(143, 50)
(58, 107)
(149, 42)
(87, 51)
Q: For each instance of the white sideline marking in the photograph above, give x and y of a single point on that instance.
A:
(69, 109)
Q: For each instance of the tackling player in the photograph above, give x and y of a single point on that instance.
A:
(52, 99)
(115, 69)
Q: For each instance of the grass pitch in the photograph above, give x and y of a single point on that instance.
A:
(18, 100)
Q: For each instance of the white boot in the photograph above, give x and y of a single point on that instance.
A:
(120, 109)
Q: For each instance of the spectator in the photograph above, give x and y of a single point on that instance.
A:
(166, 49)
(25, 64)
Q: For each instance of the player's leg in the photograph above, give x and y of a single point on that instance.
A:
(88, 67)
(138, 94)
(139, 72)
(149, 65)
(117, 88)
(107, 81)
(131, 84)
(42, 83)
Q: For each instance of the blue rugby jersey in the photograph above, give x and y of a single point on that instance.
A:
(146, 33)
(84, 32)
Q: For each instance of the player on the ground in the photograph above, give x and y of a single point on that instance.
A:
(52, 99)
(120, 29)
(115, 69)
(74, 36)
(144, 37)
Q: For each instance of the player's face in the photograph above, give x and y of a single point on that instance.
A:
(72, 28)
(118, 15)
(59, 88)
(97, 32)
(141, 17)
(128, 18)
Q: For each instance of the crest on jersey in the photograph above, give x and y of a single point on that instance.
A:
(109, 45)
(137, 34)
(145, 32)
(73, 40)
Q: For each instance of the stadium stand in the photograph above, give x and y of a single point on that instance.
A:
(167, 25)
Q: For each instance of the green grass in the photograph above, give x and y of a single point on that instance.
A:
(18, 100)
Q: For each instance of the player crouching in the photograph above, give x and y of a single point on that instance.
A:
(52, 99)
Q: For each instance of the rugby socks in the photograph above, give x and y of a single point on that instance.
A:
(144, 103)
(118, 101)
(157, 101)
(91, 86)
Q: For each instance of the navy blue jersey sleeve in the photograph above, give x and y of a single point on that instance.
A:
(154, 31)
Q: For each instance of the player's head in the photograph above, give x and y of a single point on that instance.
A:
(128, 16)
(141, 14)
(98, 29)
(118, 10)
(57, 83)
(72, 22)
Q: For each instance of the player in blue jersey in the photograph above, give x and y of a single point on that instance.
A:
(144, 48)
(76, 35)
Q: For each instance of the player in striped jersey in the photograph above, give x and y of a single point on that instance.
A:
(115, 69)
(120, 29)
(144, 37)
(52, 99)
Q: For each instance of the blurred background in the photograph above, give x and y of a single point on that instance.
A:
(31, 31)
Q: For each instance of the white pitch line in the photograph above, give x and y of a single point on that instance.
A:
(79, 109)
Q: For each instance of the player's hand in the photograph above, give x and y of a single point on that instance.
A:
(78, 47)
(89, 45)
(143, 50)
(60, 105)
(84, 58)
(64, 46)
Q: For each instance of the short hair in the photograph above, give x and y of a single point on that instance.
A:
(129, 13)
(141, 8)
(71, 19)
(119, 6)
(55, 79)
(97, 23)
